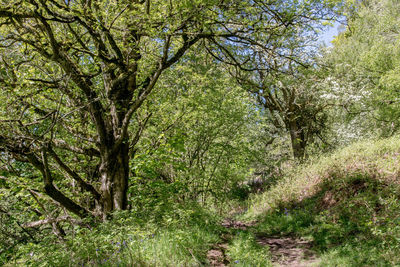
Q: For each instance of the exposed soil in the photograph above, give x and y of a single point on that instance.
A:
(285, 251)
(288, 251)
(229, 223)
(216, 256)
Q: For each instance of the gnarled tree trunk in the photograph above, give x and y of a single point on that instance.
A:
(298, 140)
(114, 174)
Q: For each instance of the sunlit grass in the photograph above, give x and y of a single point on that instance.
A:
(380, 157)
(347, 204)
(244, 251)
(125, 241)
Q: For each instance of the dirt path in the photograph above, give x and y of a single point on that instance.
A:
(216, 256)
(285, 251)
(288, 251)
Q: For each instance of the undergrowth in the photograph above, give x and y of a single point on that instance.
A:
(181, 238)
(243, 250)
(347, 204)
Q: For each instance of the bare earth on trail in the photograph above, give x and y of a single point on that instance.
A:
(285, 251)
(227, 223)
(288, 251)
(216, 256)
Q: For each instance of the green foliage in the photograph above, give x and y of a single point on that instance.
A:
(77, 77)
(198, 137)
(103, 100)
(129, 240)
(349, 200)
(244, 251)
(365, 61)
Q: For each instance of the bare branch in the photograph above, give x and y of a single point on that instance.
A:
(51, 221)
(88, 187)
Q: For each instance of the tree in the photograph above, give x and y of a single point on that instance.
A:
(365, 60)
(197, 138)
(282, 72)
(75, 74)
(292, 101)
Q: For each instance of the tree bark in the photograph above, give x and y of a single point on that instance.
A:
(51, 190)
(297, 138)
(114, 173)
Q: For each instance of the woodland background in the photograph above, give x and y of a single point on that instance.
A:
(131, 129)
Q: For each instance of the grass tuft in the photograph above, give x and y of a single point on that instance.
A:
(244, 251)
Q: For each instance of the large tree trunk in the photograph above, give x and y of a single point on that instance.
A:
(114, 172)
(297, 138)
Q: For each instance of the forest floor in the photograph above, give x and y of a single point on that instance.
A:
(285, 250)
(340, 210)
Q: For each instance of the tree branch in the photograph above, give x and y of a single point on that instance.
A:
(88, 187)
(51, 190)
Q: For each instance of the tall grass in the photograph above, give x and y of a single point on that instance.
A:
(379, 158)
(243, 250)
(347, 204)
(126, 241)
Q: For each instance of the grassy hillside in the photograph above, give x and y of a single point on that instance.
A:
(345, 207)
(347, 204)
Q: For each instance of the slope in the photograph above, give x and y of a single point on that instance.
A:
(345, 205)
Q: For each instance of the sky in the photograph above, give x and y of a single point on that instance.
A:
(329, 34)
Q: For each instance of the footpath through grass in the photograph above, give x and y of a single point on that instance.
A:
(346, 204)
(345, 208)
